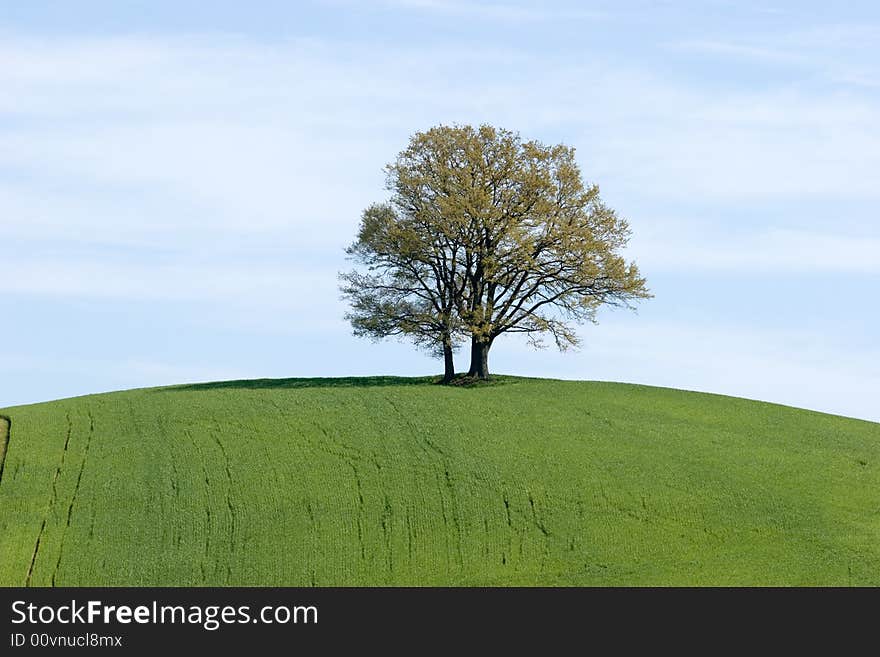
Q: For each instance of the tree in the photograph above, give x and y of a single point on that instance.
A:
(410, 290)
(506, 235)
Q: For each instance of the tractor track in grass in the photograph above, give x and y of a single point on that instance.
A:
(207, 506)
(434, 454)
(5, 437)
(30, 571)
(215, 435)
(82, 467)
(350, 459)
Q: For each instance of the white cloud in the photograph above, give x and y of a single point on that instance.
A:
(795, 252)
(507, 12)
(241, 176)
(261, 133)
(841, 53)
(740, 146)
(760, 52)
(275, 285)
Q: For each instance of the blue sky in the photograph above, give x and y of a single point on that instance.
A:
(178, 181)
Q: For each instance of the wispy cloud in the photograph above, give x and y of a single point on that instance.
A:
(243, 129)
(747, 50)
(687, 248)
(290, 287)
(491, 11)
(843, 53)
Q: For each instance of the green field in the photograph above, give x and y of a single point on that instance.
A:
(389, 481)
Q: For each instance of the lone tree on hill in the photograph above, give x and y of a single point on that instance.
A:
(486, 234)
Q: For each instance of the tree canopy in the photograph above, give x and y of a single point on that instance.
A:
(486, 234)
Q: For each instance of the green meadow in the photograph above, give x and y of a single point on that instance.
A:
(392, 481)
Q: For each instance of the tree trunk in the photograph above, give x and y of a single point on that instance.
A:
(448, 363)
(479, 358)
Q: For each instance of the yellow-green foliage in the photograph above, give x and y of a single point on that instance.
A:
(486, 234)
(399, 482)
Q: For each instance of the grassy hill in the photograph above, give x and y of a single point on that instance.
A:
(389, 481)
